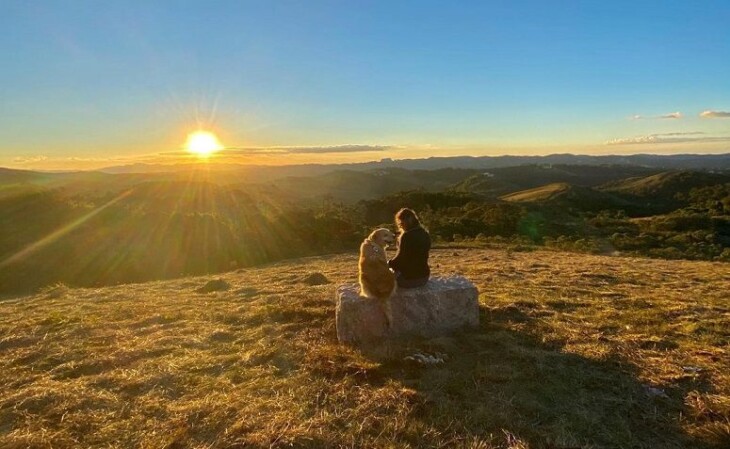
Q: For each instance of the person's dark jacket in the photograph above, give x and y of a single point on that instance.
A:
(411, 260)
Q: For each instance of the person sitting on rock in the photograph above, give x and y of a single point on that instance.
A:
(410, 263)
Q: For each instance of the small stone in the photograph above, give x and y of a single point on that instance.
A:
(56, 291)
(215, 285)
(315, 279)
(654, 392)
(424, 359)
(247, 292)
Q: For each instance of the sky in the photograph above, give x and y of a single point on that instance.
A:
(88, 84)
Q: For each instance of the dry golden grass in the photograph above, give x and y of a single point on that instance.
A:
(573, 351)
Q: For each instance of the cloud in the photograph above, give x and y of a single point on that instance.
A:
(58, 162)
(671, 115)
(94, 159)
(231, 151)
(679, 137)
(308, 150)
(715, 114)
(340, 149)
(30, 159)
(691, 133)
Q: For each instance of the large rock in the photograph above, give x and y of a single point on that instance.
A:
(443, 305)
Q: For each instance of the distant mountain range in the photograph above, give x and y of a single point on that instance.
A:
(637, 176)
(675, 161)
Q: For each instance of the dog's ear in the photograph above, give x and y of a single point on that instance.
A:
(374, 236)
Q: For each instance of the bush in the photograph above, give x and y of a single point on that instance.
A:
(681, 223)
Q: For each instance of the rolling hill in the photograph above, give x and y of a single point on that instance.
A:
(567, 196)
(500, 181)
(352, 186)
(572, 351)
(663, 192)
(95, 229)
(664, 185)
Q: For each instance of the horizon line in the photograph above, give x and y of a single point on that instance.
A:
(201, 164)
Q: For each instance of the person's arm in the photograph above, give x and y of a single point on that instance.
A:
(396, 261)
(393, 263)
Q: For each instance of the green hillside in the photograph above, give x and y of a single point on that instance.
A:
(664, 187)
(96, 229)
(351, 186)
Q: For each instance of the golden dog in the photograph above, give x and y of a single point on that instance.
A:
(376, 279)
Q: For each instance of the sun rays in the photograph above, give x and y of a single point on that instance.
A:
(60, 232)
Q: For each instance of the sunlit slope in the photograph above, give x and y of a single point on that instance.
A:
(153, 230)
(664, 185)
(662, 192)
(564, 196)
(544, 193)
(573, 351)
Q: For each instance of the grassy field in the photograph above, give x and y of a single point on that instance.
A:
(573, 351)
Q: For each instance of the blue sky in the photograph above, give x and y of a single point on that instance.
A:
(88, 82)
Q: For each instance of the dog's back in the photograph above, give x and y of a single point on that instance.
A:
(376, 279)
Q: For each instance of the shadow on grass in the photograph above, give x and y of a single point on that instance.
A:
(508, 388)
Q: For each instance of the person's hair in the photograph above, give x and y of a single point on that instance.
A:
(406, 219)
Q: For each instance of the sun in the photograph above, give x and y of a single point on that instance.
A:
(203, 144)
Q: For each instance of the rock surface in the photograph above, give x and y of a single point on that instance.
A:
(440, 307)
